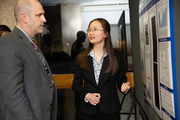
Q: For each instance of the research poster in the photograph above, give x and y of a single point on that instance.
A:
(156, 57)
(163, 18)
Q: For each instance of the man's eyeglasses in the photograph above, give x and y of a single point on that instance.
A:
(93, 30)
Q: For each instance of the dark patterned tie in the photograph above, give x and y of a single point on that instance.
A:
(35, 46)
(44, 63)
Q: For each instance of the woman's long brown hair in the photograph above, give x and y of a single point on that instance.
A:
(82, 57)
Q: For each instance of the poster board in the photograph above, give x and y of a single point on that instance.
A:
(156, 31)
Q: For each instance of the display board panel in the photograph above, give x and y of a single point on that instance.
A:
(156, 30)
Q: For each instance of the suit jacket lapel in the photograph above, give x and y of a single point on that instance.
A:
(103, 76)
(91, 68)
(30, 47)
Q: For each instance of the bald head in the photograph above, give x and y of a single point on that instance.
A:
(29, 15)
(24, 6)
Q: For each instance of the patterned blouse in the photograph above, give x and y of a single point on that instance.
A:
(97, 66)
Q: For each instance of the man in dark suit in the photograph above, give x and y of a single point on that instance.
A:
(27, 88)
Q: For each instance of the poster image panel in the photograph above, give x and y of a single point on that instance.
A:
(143, 4)
(155, 60)
(167, 104)
(166, 81)
(147, 58)
(165, 64)
(163, 19)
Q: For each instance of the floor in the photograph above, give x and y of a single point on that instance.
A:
(66, 108)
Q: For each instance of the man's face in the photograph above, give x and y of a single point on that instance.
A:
(36, 19)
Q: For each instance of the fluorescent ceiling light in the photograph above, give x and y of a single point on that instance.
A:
(103, 7)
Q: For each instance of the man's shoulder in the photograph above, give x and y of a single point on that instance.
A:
(10, 39)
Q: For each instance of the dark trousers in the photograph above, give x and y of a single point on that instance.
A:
(77, 103)
(100, 116)
(61, 102)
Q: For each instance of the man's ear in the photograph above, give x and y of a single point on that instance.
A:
(24, 18)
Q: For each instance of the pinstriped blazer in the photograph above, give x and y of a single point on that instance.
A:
(26, 92)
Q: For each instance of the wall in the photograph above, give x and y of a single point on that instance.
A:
(71, 20)
(7, 13)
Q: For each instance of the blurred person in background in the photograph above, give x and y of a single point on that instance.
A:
(4, 30)
(77, 46)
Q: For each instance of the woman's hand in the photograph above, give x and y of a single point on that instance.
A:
(125, 87)
(93, 98)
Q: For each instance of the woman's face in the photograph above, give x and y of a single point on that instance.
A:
(96, 33)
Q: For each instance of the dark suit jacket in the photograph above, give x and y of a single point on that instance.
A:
(109, 102)
(25, 89)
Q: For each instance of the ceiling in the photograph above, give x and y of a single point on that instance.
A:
(85, 2)
(103, 8)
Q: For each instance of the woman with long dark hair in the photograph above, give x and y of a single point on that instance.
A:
(99, 71)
